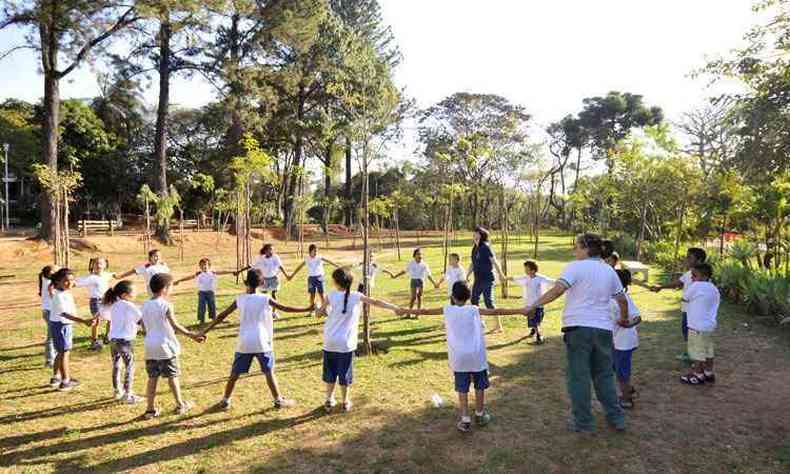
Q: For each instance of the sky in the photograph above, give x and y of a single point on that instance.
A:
(544, 55)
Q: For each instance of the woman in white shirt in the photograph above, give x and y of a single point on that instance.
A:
(418, 271)
(256, 337)
(315, 273)
(589, 284)
(342, 309)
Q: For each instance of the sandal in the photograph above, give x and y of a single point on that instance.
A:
(692, 379)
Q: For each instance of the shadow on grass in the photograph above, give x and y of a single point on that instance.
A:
(56, 411)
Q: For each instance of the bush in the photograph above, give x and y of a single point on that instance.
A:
(732, 278)
(661, 252)
(764, 293)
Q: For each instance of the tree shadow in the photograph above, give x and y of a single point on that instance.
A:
(56, 411)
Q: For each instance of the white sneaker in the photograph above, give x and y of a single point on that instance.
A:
(185, 407)
(119, 394)
(131, 399)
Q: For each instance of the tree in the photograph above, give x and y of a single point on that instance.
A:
(60, 186)
(58, 29)
(711, 130)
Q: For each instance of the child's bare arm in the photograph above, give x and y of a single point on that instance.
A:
(243, 269)
(523, 311)
(77, 319)
(225, 272)
(379, 303)
(289, 309)
(182, 330)
(124, 274)
(330, 262)
(186, 278)
(296, 271)
(426, 311)
(221, 317)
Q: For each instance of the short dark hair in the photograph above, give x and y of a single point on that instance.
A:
(624, 276)
(254, 278)
(532, 265)
(205, 260)
(159, 282)
(699, 254)
(414, 254)
(593, 243)
(607, 248)
(152, 252)
(60, 275)
(455, 256)
(704, 269)
(312, 247)
(265, 248)
(461, 293)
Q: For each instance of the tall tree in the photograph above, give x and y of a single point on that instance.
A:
(59, 30)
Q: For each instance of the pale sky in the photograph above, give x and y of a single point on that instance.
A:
(545, 55)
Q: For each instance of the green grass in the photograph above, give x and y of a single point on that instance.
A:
(738, 426)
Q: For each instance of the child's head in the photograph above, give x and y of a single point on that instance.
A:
(625, 277)
(461, 293)
(694, 256)
(417, 254)
(312, 250)
(455, 259)
(613, 259)
(205, 264)
(480, 235)
(701, 272)
(530, 267)
(46, 272)
(154, 256)
(589, 245)
(98, 264)
(253, 280)
(124, 289)
(63, 279)
(161, 284)
(343, 280)
(267, 250)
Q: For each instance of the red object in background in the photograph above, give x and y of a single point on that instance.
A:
(731, 236)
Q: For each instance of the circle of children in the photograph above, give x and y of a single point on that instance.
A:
(599, 323)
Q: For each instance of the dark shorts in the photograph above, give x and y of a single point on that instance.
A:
(94, 306)
(270, 284)
(416, 283)
(684, 326)
(338, 367)
(534, 321)
(243, 362)
(622, 364)
(61, 336)
(464, 379)
(315, 284)
(167, 368)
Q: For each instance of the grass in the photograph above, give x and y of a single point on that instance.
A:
(740, 425)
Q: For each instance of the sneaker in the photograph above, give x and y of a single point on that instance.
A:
(531, 334)
(66, 386)
(96, 345)
(149, 414)
(283, 403)
(119, 394)
(574, 428)
(132, 399)
(464, 426)
(106, 340)
(54, 382)
(347, 406)
(185, 407)
(482, 420)
(710, 378)
(224, 404)
(329, 405)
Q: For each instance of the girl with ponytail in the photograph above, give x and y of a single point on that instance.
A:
(45, 292)
(124, 317)
(342, 309)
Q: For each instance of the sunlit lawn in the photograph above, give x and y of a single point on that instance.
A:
(740, 425)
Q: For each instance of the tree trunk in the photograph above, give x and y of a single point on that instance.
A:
(236, 129)
(367, 345)
(290, 198)
(160, 137)
(327, 189)
(349, 208)
(641, 239)
(50, 49)
(397, 231)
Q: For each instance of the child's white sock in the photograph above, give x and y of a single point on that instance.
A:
(708, 373)
(479, 413)
(466, 419)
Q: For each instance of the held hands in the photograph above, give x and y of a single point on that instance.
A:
(655, 288)
(528, 311)
(199, 337)
(400, 311)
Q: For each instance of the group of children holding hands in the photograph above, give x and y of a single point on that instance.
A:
(342, 307)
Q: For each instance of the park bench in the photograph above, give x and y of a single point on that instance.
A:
(188, 224)
(108, 226)
(636, 267)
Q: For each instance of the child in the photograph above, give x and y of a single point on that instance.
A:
(702, 303)
(613, 260)
(315, 273)
(44, 291)
(340, 335)
(626, 340)
(124, 318)
(153, 267)
(63, 312)
(694, 256)
(455, 272)
(418, 271)
(466, 349)
(269, 264)
(532, 284)
(207, 289)
(161, 346)
(372, 271)
(97, 282)
(256, 337)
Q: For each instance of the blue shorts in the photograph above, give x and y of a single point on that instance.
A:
(622, 364)
(315, 283)
(270, 284)
(464, 379)
(534, 321)
(416, 283)
(339, 367)
(242, 362)
(61, 336)
(94, 306)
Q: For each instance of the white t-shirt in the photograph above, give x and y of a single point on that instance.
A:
(341, 330)
(703, 300)
(45, 297)
(256, 327)
(453, 275)
(124, 317)
(373, 270)
(160, 337)
(466, 345)
(687, 281)
(105, 312)
(418, 271)
(207, 281)
(268, 266)
(148, 271)
(532, 288)
(315, 266)
(591, 284)
(625, 339)
(98, 284)
(62, 302)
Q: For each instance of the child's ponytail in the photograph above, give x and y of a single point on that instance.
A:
(344, 280)
(113, 294)
(46, 272)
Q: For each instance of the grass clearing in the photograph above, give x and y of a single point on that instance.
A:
(740, 425)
